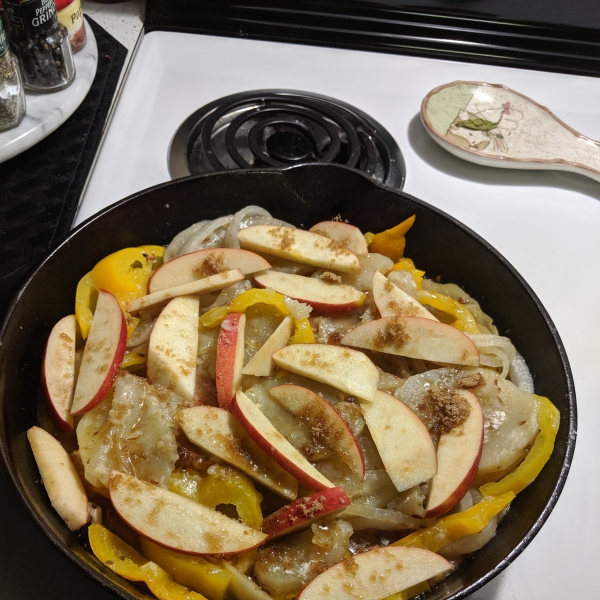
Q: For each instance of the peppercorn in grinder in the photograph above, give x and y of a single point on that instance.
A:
(40, 43)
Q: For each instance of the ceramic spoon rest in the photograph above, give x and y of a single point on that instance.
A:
(492, 125)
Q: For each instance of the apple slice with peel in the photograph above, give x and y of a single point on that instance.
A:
(102, 356)
(176, 522)
(173, 347)
(58, 371)
(415, 337)
(403, 442)
(458, 454)
(347, 370)
(261, 364)
(325, 425)
(60, 478)
(391, 301)
(218, 432)
(376, 574)
(209, 284)
(303, 512)
(203, 263)
(325, 297)
(344, 234)
(301, 246)
(261, 430)
(230, 357)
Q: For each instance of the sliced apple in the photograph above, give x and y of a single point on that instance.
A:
(347, 370)
(209, 284)
(325, 298)
(391, 301)
(218, 432)
(230, 357)
(325, 425)
(378, 573)
(458, 455)
(403, 442)
(173, 347)
(300, 246)
(303, 512)
(261, 364)
(344, 234)
(60, 478)
(102, 356)
(261, 430)
(415, 337)
(176, 522)
(204, 263)
(58, 371)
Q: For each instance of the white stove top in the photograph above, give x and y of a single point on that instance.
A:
(546, 224)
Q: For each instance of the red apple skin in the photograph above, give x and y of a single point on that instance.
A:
(202, 263)
(344, 233)
(312, 408)
(314, 292)
(58, 372)
(118, 348)
(285, 455)
(470, 453)
(230, 357)
(303, 512)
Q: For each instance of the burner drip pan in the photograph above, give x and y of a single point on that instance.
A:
(281, 128)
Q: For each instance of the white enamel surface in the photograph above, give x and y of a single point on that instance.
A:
(546, 223)
(47, 112)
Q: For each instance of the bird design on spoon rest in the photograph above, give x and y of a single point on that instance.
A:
(492, 125)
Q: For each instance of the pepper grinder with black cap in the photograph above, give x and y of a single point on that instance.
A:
(41, 44)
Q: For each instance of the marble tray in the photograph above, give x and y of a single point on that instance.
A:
(46, 112)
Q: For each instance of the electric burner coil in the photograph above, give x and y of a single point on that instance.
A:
(279, 128)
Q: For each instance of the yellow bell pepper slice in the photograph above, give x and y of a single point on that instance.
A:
(125, 274)
(126, 562)
(133, 358)
(391, 243)
(464, 320)
(85, 301)
(453, 527)
(222, 485)
(303, 333)
(368, 237)
(406, 264)
(193, 572)
(255, 296)
(214, 317)
(240, 304)
(530, 468)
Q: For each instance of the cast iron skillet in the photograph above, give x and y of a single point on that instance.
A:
(302, 195)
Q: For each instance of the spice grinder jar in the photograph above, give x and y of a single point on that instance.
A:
(41, 44)
(12, 97)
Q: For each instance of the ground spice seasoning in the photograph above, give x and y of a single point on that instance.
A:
(12, 98)
(41, 44)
